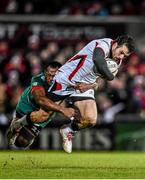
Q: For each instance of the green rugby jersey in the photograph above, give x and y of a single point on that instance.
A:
(26, 102)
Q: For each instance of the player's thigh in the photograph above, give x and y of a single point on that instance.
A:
(88, 109)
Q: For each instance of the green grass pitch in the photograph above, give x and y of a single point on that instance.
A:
(60, 165)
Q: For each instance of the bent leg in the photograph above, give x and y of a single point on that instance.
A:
(87, 117)
(88, 110)
(27, 136)
(27, 120)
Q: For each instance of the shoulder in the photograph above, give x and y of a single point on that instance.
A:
(38, 79)
(105, 42)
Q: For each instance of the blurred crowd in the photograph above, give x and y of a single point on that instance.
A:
(73, 7)
(26, 54)
(126, 94)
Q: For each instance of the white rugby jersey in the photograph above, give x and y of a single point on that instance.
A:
(80, 67)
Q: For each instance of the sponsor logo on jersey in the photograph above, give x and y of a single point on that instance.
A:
(35, 84)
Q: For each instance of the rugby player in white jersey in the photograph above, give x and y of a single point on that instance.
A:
(85, 67)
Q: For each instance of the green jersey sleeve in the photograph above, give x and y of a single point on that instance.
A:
(37, 82)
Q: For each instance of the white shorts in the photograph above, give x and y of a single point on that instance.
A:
(88, 94)
(63, 87)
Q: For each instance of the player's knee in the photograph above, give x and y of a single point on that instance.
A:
(91, 120)
(92, 123)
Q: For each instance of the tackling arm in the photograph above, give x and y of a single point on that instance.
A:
(48, 105)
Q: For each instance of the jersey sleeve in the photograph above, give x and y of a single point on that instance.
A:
(36, 83)
(101, 51)
(104, 46)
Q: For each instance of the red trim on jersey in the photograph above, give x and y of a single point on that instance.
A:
(58, 86)
(97, 44)
(100, 48)
(36, 87)
(80, 64)
(113, 41)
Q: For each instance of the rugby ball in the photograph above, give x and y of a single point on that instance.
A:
(112, 65)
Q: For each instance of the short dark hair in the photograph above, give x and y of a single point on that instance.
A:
(126, 40)
(53, 64)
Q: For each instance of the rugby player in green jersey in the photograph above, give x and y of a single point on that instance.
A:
(35, 108)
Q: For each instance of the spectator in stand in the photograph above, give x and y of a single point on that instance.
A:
(79, 7)
(48, 53)
(12, 7)
(4, 53)
(18, 64)
(138, 92)
(97, 9)
(28, 8)
(35, 64)
(33, 44)
(107, 108)
(76, 10)
(132, 67)
(3, 95)
(128, 8)
(3, 102)
(142, 8)
(116, 9)
(13, 82)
